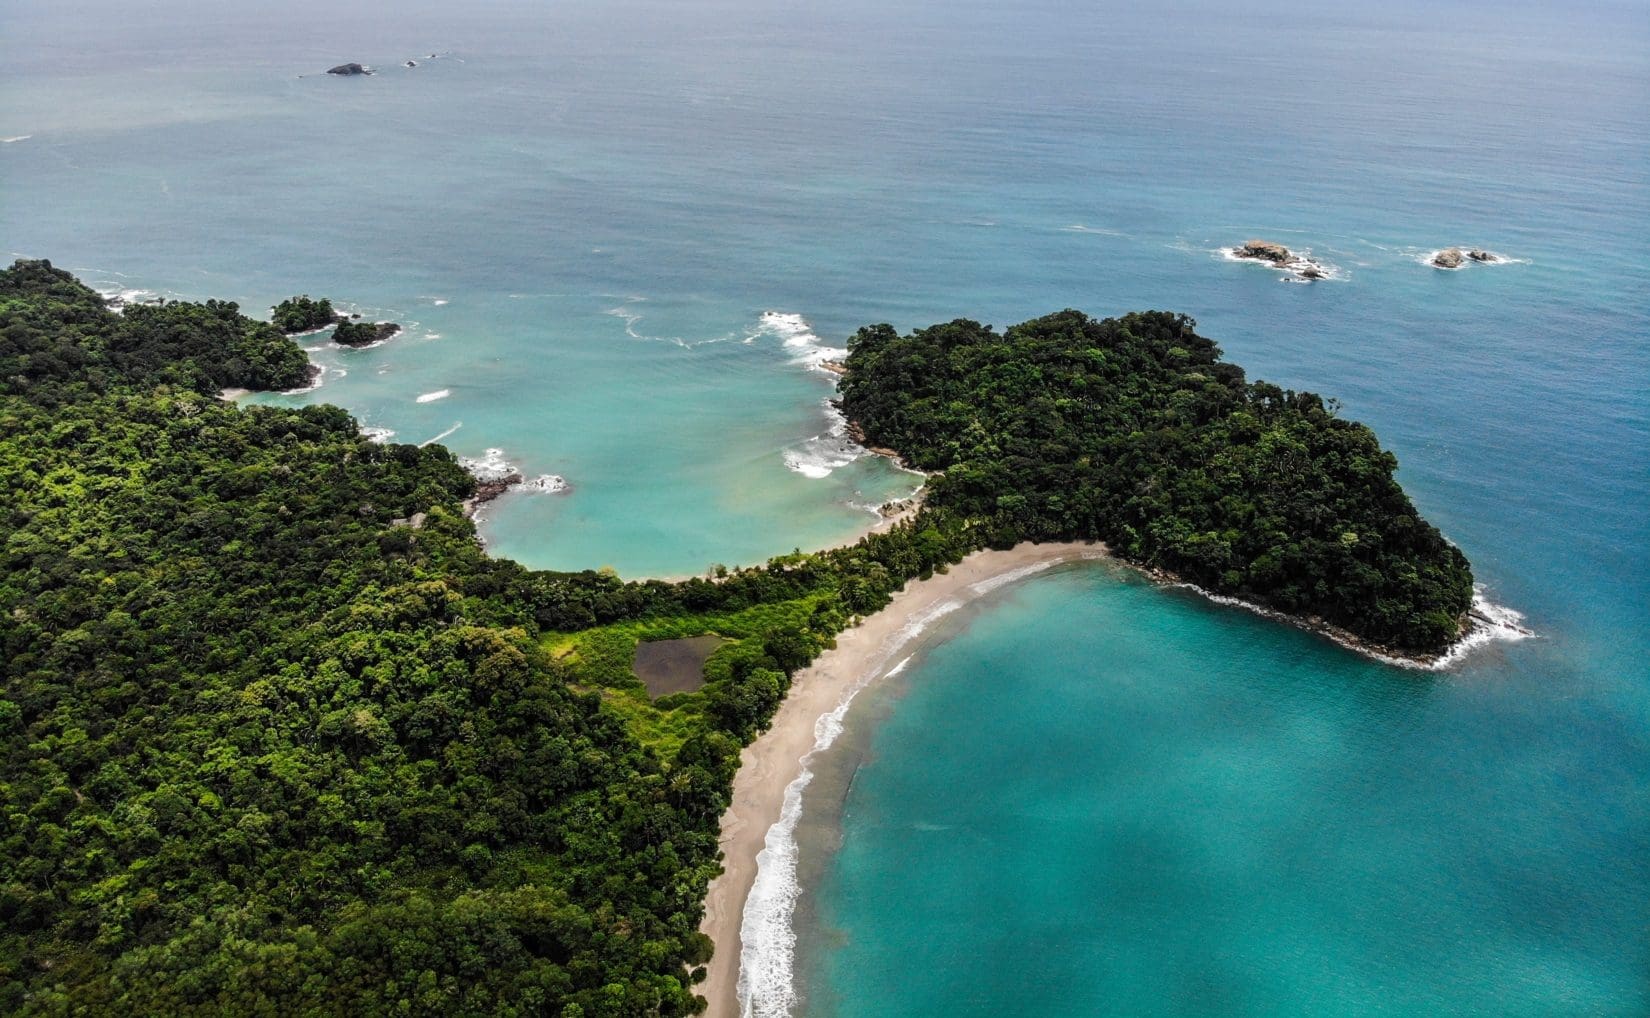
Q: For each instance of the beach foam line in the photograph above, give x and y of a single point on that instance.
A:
(1002, 579)
(431, 397)
(767, 985)
(748, 912)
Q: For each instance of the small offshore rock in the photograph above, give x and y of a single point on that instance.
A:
(345, 70)
(1480, 255)
(1313, 272)
(1448, 258)
(412, 63)
(1264, 250)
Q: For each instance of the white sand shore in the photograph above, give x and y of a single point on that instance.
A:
(768, 765)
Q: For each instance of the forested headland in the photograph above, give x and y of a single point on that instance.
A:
(267, 749)
(1135, 432)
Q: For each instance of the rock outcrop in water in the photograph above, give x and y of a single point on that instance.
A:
(1300, 268)
(1264, 250)
(1455, 258)
(348, 70)
(1448, 258)
(489, 489)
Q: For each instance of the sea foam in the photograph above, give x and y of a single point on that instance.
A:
(793, 331)
(431, 397)
(489, 466)
(820, 455)
(1292, 269)
(823, 453)
(767, 988)
(494, 465)
(1488, 622)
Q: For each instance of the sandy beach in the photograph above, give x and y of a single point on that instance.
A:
(774, 760)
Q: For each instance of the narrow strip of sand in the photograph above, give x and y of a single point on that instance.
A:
(769, 765)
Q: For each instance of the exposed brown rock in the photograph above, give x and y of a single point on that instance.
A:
(1264, 250)
(1448, 258)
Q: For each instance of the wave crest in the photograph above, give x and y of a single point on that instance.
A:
(797, 336)
(821, 454)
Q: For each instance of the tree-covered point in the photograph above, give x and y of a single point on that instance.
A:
(303, 314)
(57, 336)
(1133, 431)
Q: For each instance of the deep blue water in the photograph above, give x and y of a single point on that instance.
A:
(1224, 815)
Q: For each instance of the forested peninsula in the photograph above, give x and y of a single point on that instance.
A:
(1134, 432)
(266, 748)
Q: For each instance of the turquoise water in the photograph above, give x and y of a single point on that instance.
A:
(1182, 811)
(602, 223)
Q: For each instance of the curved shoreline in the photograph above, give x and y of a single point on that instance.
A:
(756, 839)
(769, 766)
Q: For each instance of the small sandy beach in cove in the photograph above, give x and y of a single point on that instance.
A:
(773, 761)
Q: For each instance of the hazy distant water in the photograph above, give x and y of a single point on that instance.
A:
(583, 213)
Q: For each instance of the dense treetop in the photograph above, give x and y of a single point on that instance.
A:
(56, 337)
(266, 748)
(303, 314)
(1133, 431)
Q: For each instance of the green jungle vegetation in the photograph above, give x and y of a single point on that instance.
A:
(362, 333)
(303, 314)
(265, 749)
(1134, 432)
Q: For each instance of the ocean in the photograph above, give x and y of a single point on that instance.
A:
(621, 236)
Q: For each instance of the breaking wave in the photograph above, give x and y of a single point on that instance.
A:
(794, 333)
(823, 453)
(767, 988)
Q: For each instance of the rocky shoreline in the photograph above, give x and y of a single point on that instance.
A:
(490, 489)
(856, 434)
